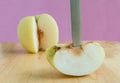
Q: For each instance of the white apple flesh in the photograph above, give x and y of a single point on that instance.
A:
(48, 26)
(76, 61)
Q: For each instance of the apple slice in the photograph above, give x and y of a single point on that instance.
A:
(27, 33)
(49, 33)
(76, 61)
(38, 32)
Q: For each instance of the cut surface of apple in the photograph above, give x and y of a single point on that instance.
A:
(48, 30)
(38, 32)
(76, 61)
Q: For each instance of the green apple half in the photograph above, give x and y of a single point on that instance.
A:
(76, 61)
(38, 32)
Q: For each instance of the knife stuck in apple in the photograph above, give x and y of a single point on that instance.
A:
(75, 22)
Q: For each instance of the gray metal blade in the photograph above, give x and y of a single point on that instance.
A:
(75, 22)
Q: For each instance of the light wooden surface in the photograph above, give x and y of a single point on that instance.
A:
(18, 66)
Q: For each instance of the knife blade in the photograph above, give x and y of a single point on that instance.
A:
(75, 22)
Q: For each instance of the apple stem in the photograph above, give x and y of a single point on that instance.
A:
(36, 19)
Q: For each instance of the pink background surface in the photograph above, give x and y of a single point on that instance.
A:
(100, 18)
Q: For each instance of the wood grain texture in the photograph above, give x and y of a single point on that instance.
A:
(18, 66)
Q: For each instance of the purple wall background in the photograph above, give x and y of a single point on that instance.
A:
(100, 18)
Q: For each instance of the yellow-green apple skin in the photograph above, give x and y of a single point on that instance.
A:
(48, 26)
(27, 34)
(76, 61)
(38, 32)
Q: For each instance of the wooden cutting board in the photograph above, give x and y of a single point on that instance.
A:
(18, 66)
